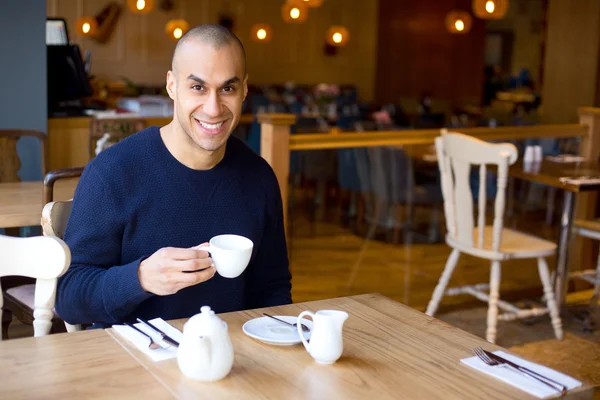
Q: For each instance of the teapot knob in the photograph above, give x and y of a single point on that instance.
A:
(206, 310)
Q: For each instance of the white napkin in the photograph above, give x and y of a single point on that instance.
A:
(519, 379)
(566, 158)
(580, 180)
(141, 342)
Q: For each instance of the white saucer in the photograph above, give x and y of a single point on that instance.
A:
(270, 331)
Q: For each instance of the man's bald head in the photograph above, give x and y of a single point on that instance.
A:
(215, 35)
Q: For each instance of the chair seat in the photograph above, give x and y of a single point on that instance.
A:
(514, 245)
(588, 228)
(26, 295)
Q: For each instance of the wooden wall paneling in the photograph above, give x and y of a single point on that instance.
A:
(417, 54)
(140, 51)
(571, 59)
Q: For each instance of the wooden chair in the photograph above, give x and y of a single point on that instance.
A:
(19, 300)
(41, 258)
(55, 217)
(589, 229)
(456, 153)
(9, 168)
(109, 131)
(9, 159)
(53, 176)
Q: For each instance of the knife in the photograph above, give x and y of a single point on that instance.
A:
(502, 360)
(163, 335)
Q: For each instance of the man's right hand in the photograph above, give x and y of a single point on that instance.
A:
(171, 269)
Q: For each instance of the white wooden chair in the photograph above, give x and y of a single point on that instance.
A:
(589, 229)
(456, 153)
(55, 216)
(42, 258)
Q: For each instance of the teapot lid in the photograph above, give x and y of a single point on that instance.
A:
(205, 323)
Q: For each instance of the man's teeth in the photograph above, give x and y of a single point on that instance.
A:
(211, 126)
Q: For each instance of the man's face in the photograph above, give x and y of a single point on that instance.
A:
(208, 87)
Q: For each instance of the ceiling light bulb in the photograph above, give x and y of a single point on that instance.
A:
(459, 25)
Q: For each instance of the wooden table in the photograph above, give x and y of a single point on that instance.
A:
(82, 365)
(21, 203)
(549, 173)
(390, 351)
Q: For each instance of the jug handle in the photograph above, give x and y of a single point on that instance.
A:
(299, 326)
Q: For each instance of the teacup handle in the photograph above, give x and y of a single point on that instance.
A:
(299, 326)
(206, 248)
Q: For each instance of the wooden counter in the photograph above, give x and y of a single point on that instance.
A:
(68, 140)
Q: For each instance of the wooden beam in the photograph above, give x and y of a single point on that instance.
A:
(275, 148)
(314, 141)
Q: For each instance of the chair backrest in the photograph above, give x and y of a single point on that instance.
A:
(55, 216)
(9, 159)
(456, 154)
(386, 174)
(56, 175)
(42, 258)
(116, 128)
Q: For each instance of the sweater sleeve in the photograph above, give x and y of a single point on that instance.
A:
(96, 288)
(269, 278)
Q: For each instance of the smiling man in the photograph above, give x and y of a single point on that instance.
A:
(143, 206)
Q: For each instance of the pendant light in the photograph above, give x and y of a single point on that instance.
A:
(490, 9)
(87, 26)
(459, 22)
(295, 13)
(337, 36)
(261, 33)
(140, 6)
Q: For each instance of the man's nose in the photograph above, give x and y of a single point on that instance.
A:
(212, 107)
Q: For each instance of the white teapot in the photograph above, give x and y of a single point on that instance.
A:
(205, 353)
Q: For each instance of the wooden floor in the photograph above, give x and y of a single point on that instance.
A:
(325, 258)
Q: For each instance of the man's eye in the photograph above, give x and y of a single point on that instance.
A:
(227, 89)
(197, 87)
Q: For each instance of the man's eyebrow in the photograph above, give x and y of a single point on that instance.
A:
(196, 79)
(235, 79)
(201, 81)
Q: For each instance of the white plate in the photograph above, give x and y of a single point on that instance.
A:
(270, 331)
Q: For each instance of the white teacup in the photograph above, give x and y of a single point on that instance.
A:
(230, 254)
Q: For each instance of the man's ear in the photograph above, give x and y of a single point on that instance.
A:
(171, 85)
(245, 85)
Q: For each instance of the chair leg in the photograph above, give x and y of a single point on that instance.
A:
(550, 301)
(594, 301)
(492, 315)
(42, 322)
(550, 205)
(440, 289)
(6, 320)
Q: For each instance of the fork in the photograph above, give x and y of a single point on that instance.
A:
(483, 356)
(153, 345)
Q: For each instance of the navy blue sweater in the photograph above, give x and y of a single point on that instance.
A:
(135, 198)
